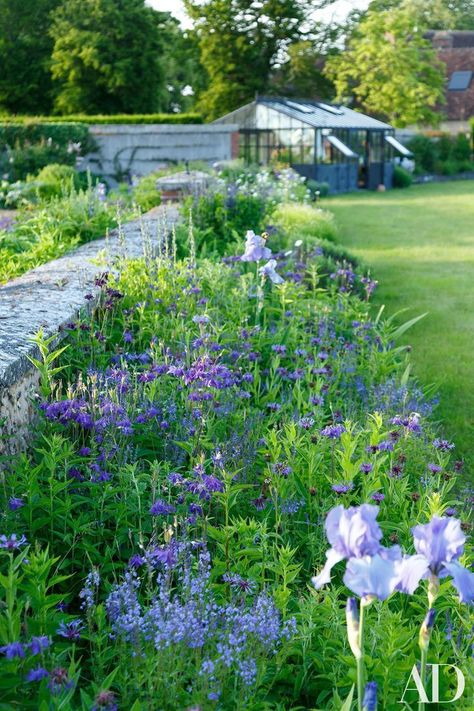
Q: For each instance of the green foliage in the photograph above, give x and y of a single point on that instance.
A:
(305, 222)
(29, 146)
(390, 68)
(240, 43)
(25, 51)
(446, 154)
(401, 177)
(317, 189)
(145, 193)
(52, 230)
(106, 56)
(220, 222)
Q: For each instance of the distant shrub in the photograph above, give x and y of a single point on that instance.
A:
(401, 177)
(26, 148)
(424, 152)
(145, 193)
(314, 186)
(445, 154)
(305, 222)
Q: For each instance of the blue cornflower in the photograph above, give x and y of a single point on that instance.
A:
(70, 630)
(15, 503)
(333, 431)
(12, 542)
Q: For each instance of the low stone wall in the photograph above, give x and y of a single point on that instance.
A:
(49, 297)
(127, 150)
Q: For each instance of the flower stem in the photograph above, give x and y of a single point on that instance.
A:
(360, 660)
(424, 657)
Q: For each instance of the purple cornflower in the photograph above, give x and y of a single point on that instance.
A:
(59, 680)
(12, 542)
(84, 452)
(281, 469)
(435, 468)
(333, 431)
(105, 699)
(37, 674)
(342, 488)
(443, 445)
(161, 508)
(15, 503)
(13, 650)
(239, 583)
(366, 467)
(377, 496)
(279, 348)
(38, 644)
(70, 630)
(128, 337)
(306, 423)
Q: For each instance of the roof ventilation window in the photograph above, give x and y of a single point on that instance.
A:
(459, 81)
(300, 107)
(331, 109)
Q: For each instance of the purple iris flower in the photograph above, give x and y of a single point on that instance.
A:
(352, 533)
(255, 249)
(440, 544)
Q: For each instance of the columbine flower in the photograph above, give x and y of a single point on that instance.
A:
(255, 249)
(12, 542)
(38, 644)
(440, 543)
(268, 271)
(13, 650)
(161, 508)
(37, 674)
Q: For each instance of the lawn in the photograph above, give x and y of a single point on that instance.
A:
(420, 244)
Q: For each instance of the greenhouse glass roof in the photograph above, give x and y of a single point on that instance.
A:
(312, 113)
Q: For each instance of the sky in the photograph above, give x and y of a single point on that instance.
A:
(337, 11)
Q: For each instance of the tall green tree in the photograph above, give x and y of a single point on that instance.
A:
(25, 52)
(389, 69)
(241, 44)
(434, 14)
(106, 56)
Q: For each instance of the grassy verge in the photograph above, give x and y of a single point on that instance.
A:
(420, 245)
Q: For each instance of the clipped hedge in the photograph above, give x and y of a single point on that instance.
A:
(19, 133)
(26, 148)
(103, 119)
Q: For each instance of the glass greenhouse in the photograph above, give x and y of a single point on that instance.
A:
(328, 143)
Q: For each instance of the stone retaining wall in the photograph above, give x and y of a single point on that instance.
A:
(49, 297)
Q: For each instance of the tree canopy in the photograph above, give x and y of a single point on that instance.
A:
(25, 52)
(106, 56)
(390, 69)
(241, 43)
